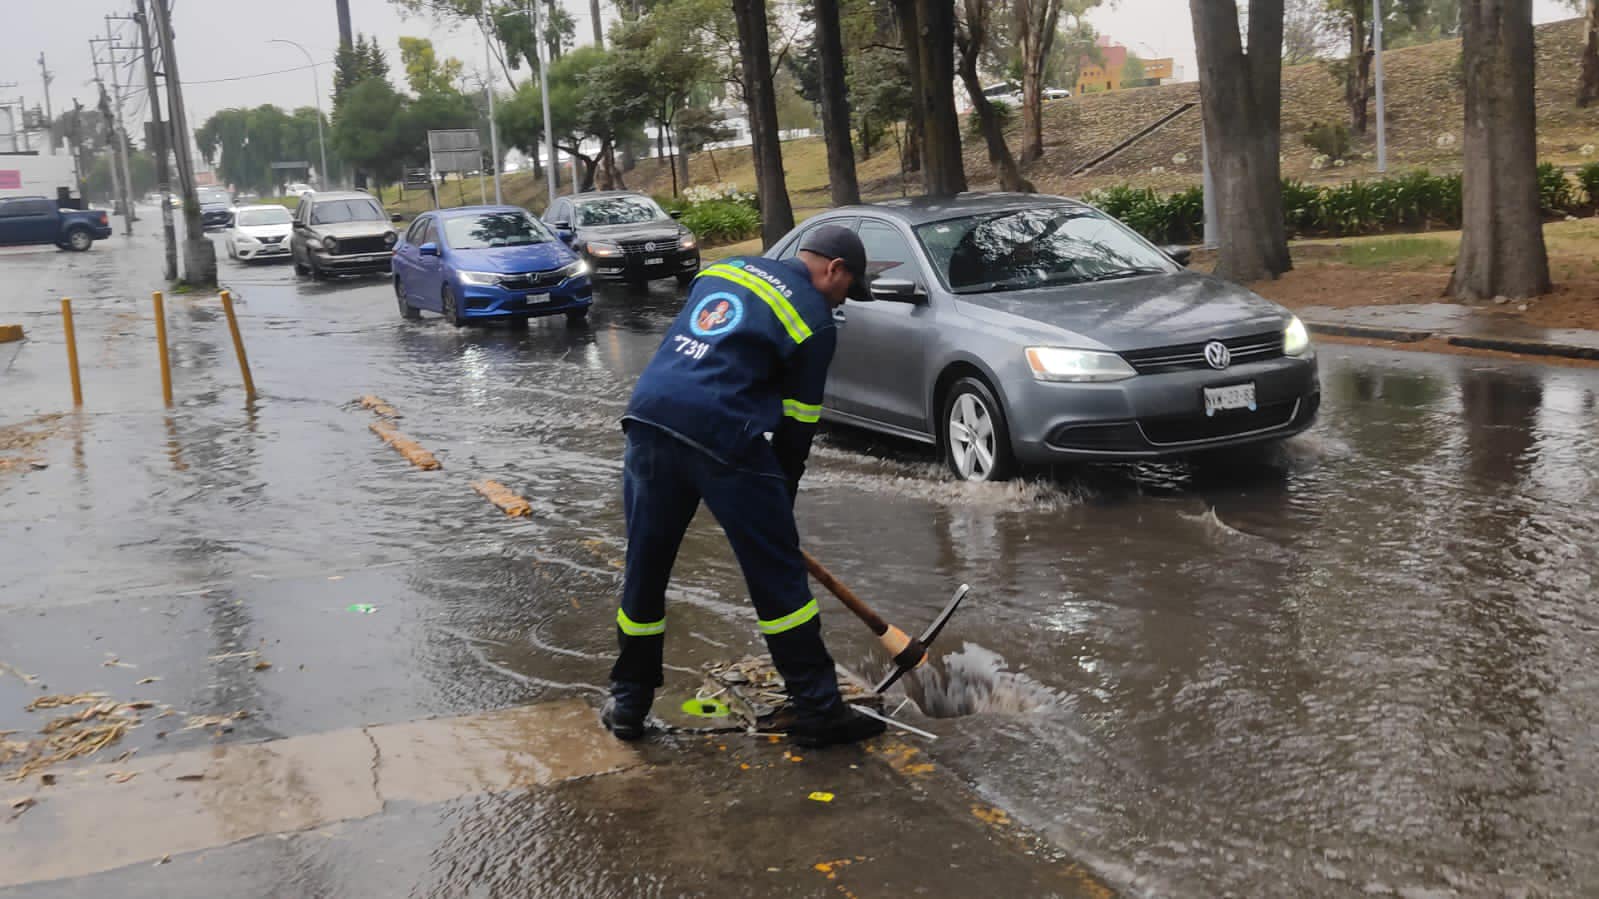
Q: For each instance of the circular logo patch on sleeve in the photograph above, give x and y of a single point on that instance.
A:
(717, 313)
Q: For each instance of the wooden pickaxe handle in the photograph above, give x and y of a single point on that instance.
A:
(907, 651)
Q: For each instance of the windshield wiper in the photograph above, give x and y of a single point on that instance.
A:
(1127, 273)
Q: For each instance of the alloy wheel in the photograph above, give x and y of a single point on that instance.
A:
(972, 444)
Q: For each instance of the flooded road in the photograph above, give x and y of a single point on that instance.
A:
(1365, 661)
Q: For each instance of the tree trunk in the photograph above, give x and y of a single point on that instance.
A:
(1588, 86)
(1036, 21)
(599, 30)
(1357, 77)
(911, 158)
(1241, 98)
(766, 148)
(933, 86)
(1501, 241)
(680, 178)
(970, 41)
(846, 190)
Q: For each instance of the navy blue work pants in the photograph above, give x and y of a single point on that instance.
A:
(663, 482)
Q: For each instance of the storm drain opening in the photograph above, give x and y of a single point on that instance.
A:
(975, 681)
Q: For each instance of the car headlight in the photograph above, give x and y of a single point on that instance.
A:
(576, 270)
(1296, 339)
(1052, 363)
(389, 238)
(330, 244)
(687, 242)
(481, 279)
(601, 248)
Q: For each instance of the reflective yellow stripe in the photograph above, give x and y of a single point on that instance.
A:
(635, 629)
(805, 412)
(790, 318)
(791, 620)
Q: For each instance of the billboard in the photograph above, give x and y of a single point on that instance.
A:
(456, 150)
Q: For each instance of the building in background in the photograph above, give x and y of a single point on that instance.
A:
(1117, 69)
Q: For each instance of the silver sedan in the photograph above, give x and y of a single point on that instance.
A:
(1016, 329)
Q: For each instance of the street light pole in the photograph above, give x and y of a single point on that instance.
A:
(316, 85)
(494, 128)
(544, 94)
(1376, 47)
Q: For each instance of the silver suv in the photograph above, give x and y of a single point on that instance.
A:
(341, 232)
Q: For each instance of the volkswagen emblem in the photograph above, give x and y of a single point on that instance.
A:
(1217, 354)
(649, 247)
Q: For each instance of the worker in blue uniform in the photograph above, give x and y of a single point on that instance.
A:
(724, 413)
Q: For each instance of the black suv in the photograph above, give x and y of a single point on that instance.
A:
(341, 232)
(625, 236)
(216, 208)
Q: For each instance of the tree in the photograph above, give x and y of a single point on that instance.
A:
(1241, 98)
(662, 58)
(1075, 43)
(971, 35)
(423, 70)
(1036, 21)
(356, 63)
(591, 101)
(1501, 241)
(1353, 17)
(697, 129)
(243, 143)
(1588, 81)
(928, 27)
(1133, 72)
(834, 89)
(1306, 28)
(366, 128)
(777, 215)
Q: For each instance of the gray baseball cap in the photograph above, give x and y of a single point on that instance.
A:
(837, 242)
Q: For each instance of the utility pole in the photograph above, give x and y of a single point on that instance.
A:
(199, 254)
(544, 94)
(111, 48)
(49, 114)
(158, 144)
(488, 86)
(11, 116)
(109, 121)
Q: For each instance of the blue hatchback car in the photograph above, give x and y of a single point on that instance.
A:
(480, 263)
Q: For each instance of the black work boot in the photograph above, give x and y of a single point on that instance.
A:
(623, 722)
(837, 726)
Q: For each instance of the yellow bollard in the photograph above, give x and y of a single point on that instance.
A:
(238, 346)
(161, 343)
(72, 351)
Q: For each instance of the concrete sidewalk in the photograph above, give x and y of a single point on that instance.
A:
(1463, 326)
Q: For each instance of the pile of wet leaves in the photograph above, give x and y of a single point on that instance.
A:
(94, 723)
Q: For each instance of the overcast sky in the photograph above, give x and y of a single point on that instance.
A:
(227, 39)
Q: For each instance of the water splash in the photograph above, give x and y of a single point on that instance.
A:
(977, 681)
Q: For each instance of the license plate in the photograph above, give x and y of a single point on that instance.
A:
(655, 260)
(533, 299)
(1236, 396)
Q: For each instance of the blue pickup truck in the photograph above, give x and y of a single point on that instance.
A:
(39, 220)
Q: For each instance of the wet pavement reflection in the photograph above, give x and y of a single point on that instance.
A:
(1361, 661)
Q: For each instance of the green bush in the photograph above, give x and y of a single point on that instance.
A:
(671, 203)
(1330, 140)
(722, 221)
(1588, 177)
(1554, 189)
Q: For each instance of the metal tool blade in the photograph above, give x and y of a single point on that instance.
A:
(929, 635)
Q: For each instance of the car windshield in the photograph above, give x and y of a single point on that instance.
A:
(1047, 245)
(618, 211)
(333, 212)
(213, 197)
(262, 215)
(494, 229)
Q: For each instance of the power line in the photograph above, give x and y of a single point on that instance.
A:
(257, 75)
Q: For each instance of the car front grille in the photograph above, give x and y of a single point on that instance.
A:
(639, 247)
(533, 280)
(1179, 429)
(269, 241)
(349, 246)
(1187, 356)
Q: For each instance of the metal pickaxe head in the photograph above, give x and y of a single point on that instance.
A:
(911, 652)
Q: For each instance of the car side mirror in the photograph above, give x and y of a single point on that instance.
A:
(428, 249)
(562, 225)
(1180, 255)
(676, 213)
(396, 218)
(898, 290)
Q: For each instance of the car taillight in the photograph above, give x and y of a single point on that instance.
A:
(103, 219)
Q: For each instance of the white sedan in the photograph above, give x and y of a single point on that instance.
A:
(259, 232)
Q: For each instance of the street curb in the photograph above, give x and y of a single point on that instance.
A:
(1527, 347)
(1399, 335)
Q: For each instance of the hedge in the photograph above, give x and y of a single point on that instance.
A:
(1415, 201)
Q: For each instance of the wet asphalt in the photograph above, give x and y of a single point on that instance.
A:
(1365, 661)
